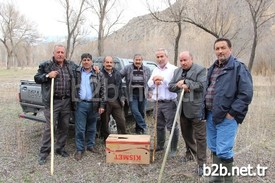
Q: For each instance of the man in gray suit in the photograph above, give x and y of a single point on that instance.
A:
(191, 78)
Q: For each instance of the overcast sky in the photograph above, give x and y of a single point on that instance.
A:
(47, 14)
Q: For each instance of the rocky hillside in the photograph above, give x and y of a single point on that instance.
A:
(144, 35)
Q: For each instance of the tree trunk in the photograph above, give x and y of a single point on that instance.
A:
(100, 36)
(68, 46)
(177, 40)
(254, 44)
(9, 60)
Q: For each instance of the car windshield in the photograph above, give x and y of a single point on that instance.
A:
(150, 65)
(99, 62)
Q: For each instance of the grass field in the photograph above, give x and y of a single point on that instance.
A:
(20, 142)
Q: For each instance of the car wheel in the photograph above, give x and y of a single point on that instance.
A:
(112, 125)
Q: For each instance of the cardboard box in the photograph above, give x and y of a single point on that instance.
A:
(129, 149)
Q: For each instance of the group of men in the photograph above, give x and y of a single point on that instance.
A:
(213, 104)
(91, 93)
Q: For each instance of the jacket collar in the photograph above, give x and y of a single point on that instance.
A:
(54, 61)
(226, 65)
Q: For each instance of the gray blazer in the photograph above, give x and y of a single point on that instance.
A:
(196, 81)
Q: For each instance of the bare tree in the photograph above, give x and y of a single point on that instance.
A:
(103, 9)
(74, 20)
(211, 16)
(15, 29)
(261, 13)
(174, 14)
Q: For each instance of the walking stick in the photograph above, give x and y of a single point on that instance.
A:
(155, 126)
(52, 127)
(171, 136)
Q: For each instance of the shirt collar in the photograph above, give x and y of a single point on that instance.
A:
(217, 64)
(167, 65)
(135, 67)
(83, 70)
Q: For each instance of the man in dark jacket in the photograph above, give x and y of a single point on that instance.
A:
(115, 99)
(228, 94)
(90, 103)
(191, 78)
(62, 70)
(136, 77)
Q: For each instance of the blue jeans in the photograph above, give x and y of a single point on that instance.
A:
(221, 137)
(137, 107)
(85, 125)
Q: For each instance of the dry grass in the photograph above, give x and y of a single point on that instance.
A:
(20, 142)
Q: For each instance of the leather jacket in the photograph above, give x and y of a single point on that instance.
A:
(118, 83)
(98, 85)
(234, 91)
(40, 78)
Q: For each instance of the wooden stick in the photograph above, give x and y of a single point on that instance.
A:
(52, 128)
(171, 136)
(155, 125)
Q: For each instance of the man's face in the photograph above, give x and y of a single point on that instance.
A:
(108, 63)
(185, 60)
(87, 63)
(161, 58)
(138, 61)
(222, 51)
(59, 54)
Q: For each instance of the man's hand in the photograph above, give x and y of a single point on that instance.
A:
(100, 110)
(180, 84)
(228, 116)
(52, 74)
(96, 68)
(158, 77)
(158, 80)
(185, 87)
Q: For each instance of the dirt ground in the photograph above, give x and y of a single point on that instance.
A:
(20, 141)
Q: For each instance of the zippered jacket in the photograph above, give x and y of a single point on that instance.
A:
(40, 78)
(98, 84)
(127, 72)
(233, 91)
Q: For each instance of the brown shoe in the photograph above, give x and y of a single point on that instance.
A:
(78, 155)
(92, 150)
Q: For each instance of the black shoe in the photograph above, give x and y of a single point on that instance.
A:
(42, 160)
(63, 153)
(139, 132)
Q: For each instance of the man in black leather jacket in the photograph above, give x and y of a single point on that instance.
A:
(63, 72)
(115, 100)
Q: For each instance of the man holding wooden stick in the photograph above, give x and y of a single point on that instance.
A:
(191, 78)
(62, 70)
(166, 100)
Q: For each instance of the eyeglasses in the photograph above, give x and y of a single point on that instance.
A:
(86, 59)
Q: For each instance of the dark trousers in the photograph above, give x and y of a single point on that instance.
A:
(194, 134)
(61, 118)
(115, 109)
(165, 118)
(166, 114)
